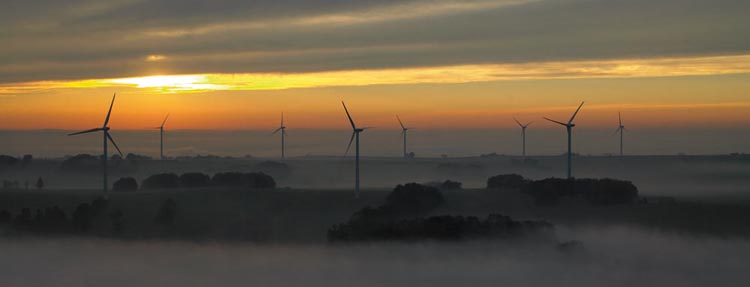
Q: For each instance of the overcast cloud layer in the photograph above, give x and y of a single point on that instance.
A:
(52, 40)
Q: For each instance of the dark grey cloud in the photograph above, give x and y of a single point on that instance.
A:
(84, 39)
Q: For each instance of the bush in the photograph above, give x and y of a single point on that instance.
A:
(82, 163)
(608, 191)
(414, 198)
(5, 216)
(7, 160)
(82, 217)
(506, 181)
(167, 213)
(251, 180)
(595, 191)
(162, 180)
(136, 157)
(444, 227)
(445, 185)
(194, 179)
(125, 184)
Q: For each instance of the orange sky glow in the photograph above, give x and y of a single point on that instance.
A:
(703, 91)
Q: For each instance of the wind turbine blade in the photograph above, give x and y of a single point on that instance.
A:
(86, 131)
(400, 123)
(554, 121)
(350, 143)
(165, 121)
(276, 131)
(519, 123)
(574, 114)
(113, 143)
(349, 116)
(106, 120)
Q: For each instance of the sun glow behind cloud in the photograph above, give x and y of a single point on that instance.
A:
(629, 68)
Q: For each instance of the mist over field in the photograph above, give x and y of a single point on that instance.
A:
(174, 143)
(612, 256)
(542, 139)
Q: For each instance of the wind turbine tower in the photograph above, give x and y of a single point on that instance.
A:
(355, 136)
(620, 129)
(569, 126)
(161, 137)
(281, 128)
(106, 137)
(523, 135)
(403, 134)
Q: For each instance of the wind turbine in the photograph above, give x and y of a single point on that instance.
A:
(281, 128)
(161, 137)
(620, 129)
(568, 126)
(355, 135)
(105, 133)
(523, 134)
(403, 133)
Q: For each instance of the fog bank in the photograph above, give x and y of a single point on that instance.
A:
(609, 257)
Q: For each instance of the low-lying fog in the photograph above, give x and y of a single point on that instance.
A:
(609, 257)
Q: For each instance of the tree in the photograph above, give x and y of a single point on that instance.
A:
(39, 183)
(194, 179)
(125, 184)
(162, 180)
(167, 213)
(513, 181)
(414, 198)
(116, 218)
(82, 217)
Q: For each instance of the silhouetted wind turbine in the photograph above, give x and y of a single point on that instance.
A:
(569, 126)
(620, 129)
(281, 128)
(403, 133)
(523, 134)
(105, 132)
(161, 137)
(355, 135)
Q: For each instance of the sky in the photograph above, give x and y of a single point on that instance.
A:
(237, 65)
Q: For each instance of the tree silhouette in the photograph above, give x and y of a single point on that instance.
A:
(162, 180)
(125, 184)
(194, 179)
(39, 183)
(167, 213)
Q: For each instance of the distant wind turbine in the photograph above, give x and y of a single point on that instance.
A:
(161, 137)
(355, 135)
(403, 133)
(105, 132)
(568, 126)
(523, 134)
(620, 129)
(281, 128)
